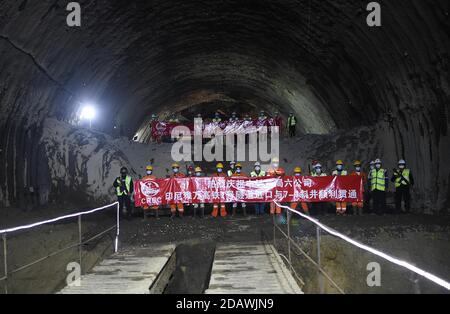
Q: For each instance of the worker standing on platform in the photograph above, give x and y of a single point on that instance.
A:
(124, 189)
(298, 173)
(275, 171)
(257, 172)
(341, 207)
(358, 206)
(239, 173)
(223, 210)
(177, 206)
(291, 124)
(199, 173)
(379, 183)
(149, 176)
(403, 180)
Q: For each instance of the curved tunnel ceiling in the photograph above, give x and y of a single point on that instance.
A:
(316, 58)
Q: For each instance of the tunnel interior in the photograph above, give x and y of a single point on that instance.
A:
(317, 59)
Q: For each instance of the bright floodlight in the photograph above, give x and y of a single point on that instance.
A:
(88, 112)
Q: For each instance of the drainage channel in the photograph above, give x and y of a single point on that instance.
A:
(188, 270)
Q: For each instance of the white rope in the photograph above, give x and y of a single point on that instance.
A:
(56, 219)
(394, 260)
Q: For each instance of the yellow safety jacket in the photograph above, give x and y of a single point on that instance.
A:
(292, 121)
(127, 186)
(337, 173)
(254, 174)
(399, 182)
(378, 180)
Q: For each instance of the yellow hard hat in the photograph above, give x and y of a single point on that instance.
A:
(297, 169)
(339, 162)
(219, 165)
(150, 168)
(175, 165)
(357, 163)
(198, 169)
(238, 165)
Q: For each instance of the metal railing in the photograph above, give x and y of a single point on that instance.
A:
(321, 272)
(4, 234)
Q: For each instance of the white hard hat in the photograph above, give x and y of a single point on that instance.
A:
(402, 162)
(377, 161)
(257, 164)
(232, 162)
(317, 165)
(372, 162)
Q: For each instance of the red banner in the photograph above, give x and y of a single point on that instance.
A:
(248, 190)
(164, 129)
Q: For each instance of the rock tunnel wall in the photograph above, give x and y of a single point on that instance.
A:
(318, 59)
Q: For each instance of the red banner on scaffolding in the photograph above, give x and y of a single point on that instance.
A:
(248, 190)
(164, 129)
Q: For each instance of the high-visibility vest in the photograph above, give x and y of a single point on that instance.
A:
(260, 174)
(230, 172)
(399, 181)
(323, 174)
(341, 173)
(127, 186)
(292, 121)
(216, 120)
(378, 180)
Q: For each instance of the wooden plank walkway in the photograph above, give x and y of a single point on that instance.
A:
(250, 269)
(126, 272)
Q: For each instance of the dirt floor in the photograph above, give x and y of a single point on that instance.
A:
(421, 239)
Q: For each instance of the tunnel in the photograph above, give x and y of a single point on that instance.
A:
(365, 80)
(376, 91)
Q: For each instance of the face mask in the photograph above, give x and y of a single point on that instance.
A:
(175, 170)
(358, 169)
(401, 166)
(275, 165)
(257, 168)
(219, 170)
(190, 173)
(238, 170)
(232, 166)
(149, 172)
(198, 174)
(339, 167)
(298, 174)
(372, 167)
(318, 170)
(378, 166)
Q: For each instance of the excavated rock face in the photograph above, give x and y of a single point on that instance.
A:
(318, 59)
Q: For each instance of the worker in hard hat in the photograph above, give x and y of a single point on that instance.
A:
(403, 180)
(190, 171)
(239, 173)
(312, 169)
(234, 117)
(318, 208)
(223, 211)
(368, 198)
(258, 172)
(149, 176)
(275, 171)
(291, 124)
(358, 206)
(199, 173)
(232, 169)
(379, 184)
(262, 115)
(298, 173)
(217, 118)
(341, 207)
(176, 173)
(124, 189)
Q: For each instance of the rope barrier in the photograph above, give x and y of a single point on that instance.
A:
(56, 219)
(391, 259)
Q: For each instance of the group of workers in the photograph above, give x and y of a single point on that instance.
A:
(217, 118)
(375, 186)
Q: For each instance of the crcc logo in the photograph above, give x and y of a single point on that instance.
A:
(149, 188)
